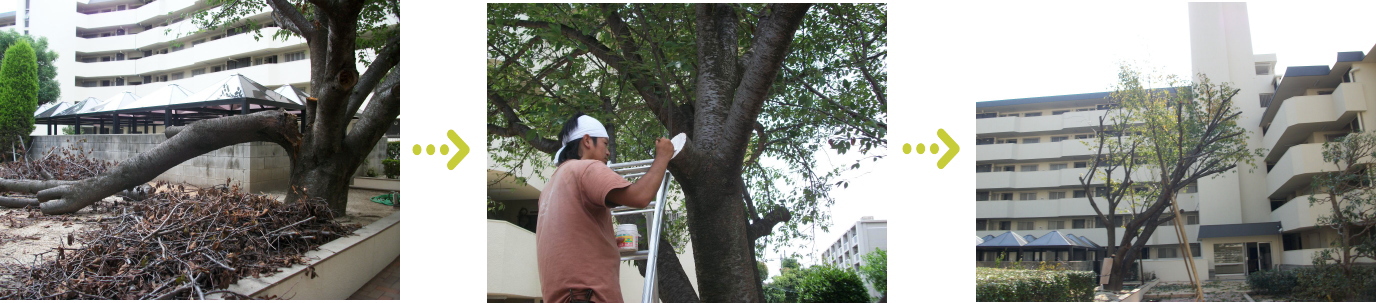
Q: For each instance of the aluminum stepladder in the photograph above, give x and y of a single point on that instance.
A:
(654, 214)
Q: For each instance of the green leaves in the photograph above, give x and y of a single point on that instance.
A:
(19, 90)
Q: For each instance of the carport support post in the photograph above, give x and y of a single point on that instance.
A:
(116, 129)
(78, 125)
(244, 107)
(166, 119)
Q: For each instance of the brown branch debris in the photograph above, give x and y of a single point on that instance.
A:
(177, 244)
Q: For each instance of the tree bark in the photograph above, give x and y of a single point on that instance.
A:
(183, 144)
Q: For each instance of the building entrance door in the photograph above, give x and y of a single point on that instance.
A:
(1258, 256)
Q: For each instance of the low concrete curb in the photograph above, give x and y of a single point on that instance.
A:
(341, 266)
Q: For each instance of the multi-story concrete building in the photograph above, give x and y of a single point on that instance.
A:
(1030, 154)
(107, 47)
(862, 238)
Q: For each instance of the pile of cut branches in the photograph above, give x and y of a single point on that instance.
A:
(65, 163)
(179, 243)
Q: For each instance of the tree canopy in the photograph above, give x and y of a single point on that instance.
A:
(18, 93)
(48, 87)
(746, 81)
(1162, 134)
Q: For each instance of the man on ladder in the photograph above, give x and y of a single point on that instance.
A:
(574, 243)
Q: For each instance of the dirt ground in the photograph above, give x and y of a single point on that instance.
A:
(26, 235)
(1214, 291)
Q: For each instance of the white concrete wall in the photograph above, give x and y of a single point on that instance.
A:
(1296, 168)
(1035, 151)
(512, 270)
(1173, 269)
(1045, 123)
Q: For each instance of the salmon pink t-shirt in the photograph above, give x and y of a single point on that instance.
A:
(574, 242)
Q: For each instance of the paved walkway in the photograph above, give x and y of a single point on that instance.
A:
(385, 286)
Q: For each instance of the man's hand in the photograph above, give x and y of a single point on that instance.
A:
(664, 149)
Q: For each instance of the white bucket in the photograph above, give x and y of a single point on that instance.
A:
(627, 238)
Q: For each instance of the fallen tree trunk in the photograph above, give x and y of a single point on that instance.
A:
(183, 143)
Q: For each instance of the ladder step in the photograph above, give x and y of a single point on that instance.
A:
(632, 212)
(632, 170)
(616, 210)
(636, 255)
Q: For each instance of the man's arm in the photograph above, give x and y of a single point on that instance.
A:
(640, 193)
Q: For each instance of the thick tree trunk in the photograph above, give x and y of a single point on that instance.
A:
(722, 249)
(324, 177)
(183, 143)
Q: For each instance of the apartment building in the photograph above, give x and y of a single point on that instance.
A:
(1031, 152)
(108, 47)
(859, 240)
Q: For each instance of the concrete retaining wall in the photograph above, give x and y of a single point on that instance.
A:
(256, 166)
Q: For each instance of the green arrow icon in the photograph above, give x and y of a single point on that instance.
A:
(462, 149)
(951, 148)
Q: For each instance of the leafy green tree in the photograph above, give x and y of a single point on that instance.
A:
(746, 82)
(876, 269)
(828, 284)
(18, 94)
(1348, 192)
(783, 288)
(763, 269)
(789, 263)
(48, 87)
(1176, 136)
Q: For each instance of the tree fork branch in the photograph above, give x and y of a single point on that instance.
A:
(187, 142)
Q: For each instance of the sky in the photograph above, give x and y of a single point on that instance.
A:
(1040, 49)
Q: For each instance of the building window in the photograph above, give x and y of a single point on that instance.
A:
(1191, 219)
(1055, 225)
(1100, 191)
(104, 82)
(216, 68)
(1059, 138)
(1168, 252)
(1026, 225)
(177, 76)
(984, 168)
(1263, 69)
(981, 224)
(119, 81)
(981, 196)
(1029, 167)
(1334, 137)
(1005, 225)
(1004, 115)
(1146, 253)
(1009, 168)
(1059, 112)
(1266, 99)
(194, 43)
(1057, 195)
(1079, 194)
(1084, 136)
(1036, 114)
(1031, 140)
(197, 72)
(1192, 188)
(1081, 164)
(88, 84)
(1058, 166)
(1077, 223)
(105, 58)
(1027, 196)
(1195, 251)
(980, 141)
(147, 79)
(1006, 196)
(301, 55)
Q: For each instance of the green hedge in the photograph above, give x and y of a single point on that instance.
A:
(1020, 285)
(392, 168)
(394, 150)
(1273, 282)
(1329, 283)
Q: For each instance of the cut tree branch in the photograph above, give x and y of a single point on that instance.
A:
(184, 143)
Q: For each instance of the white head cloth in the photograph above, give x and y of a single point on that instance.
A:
(586, 126)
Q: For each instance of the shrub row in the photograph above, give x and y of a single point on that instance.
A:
(1321, 283)
(1021, 285)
